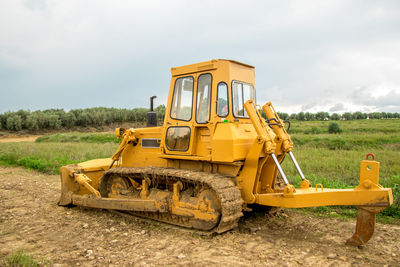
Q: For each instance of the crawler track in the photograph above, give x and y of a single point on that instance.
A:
(227, 193)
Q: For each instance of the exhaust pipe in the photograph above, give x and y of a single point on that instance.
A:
(151, 115)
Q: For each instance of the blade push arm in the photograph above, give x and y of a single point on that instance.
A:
(284, 138)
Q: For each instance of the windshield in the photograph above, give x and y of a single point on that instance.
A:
(182, 101)
(241, 93)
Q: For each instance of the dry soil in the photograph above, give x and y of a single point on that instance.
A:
(31, 219)
(15, 138)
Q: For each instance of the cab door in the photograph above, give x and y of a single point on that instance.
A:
(178, 130)
(202, 137)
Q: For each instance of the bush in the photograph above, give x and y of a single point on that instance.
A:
(313, 130)
(68, 119)
(53, 121)
(32, 122)
(84, 119)
(334, 128)
(14, 123)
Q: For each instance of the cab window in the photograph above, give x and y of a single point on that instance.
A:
(178, 138)
(222, 96)
(203, 98)
(241, 92)
(183, 98)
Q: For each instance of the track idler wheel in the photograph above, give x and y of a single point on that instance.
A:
(115, 186)
(365, 225)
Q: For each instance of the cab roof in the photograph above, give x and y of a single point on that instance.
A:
(203, 66)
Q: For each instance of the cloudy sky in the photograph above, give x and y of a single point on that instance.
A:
(333, 56)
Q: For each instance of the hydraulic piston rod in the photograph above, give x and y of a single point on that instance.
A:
(297, 165)
(280, 169)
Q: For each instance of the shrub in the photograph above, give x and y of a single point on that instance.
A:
(313, 130)
(334, 128)
(53, 121)
(14, 123)
(2, 125)
(32, 122)
(84, 119)
(68, 119)
(24, 115)
(141, 114)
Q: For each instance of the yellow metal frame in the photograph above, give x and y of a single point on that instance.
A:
(248, 149)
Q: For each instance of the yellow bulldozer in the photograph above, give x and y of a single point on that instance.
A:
(214, 155)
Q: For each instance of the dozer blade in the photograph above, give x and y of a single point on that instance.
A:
(365, 225)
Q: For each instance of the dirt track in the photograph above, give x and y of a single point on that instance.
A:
(12, 139)
(30, 219)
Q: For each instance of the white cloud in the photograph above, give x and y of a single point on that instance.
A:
(308, 55)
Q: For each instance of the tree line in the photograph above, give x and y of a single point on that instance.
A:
(323, 116)
(58, 118)
(100, 116)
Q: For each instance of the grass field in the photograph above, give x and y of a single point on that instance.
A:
(49, 157)
(330, 159)
(100, 138)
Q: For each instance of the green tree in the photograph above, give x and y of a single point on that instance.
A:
(309, 116)
(84, 119)
(335, 117)
(300, 116)
(14, 123)
(321, 116)
(160, 111)
(284, 116)
(358, 115)
(347, 116)
(53, 121)
(68, 119)
(334, 128)
(32, 122)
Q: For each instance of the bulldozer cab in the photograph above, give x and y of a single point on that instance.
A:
(201, 97)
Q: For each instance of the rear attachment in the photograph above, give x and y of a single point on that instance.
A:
(366, 215)
(370, 198)
(365, 225)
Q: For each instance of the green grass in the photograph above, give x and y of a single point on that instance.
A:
(330, 159)
(349, 141)
(22, 259)
(386, 126)
(49, 157)
(100, 138)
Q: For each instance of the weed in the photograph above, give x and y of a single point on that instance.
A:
(22, 259)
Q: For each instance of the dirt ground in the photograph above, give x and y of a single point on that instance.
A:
(31, 219)
(15, 138)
